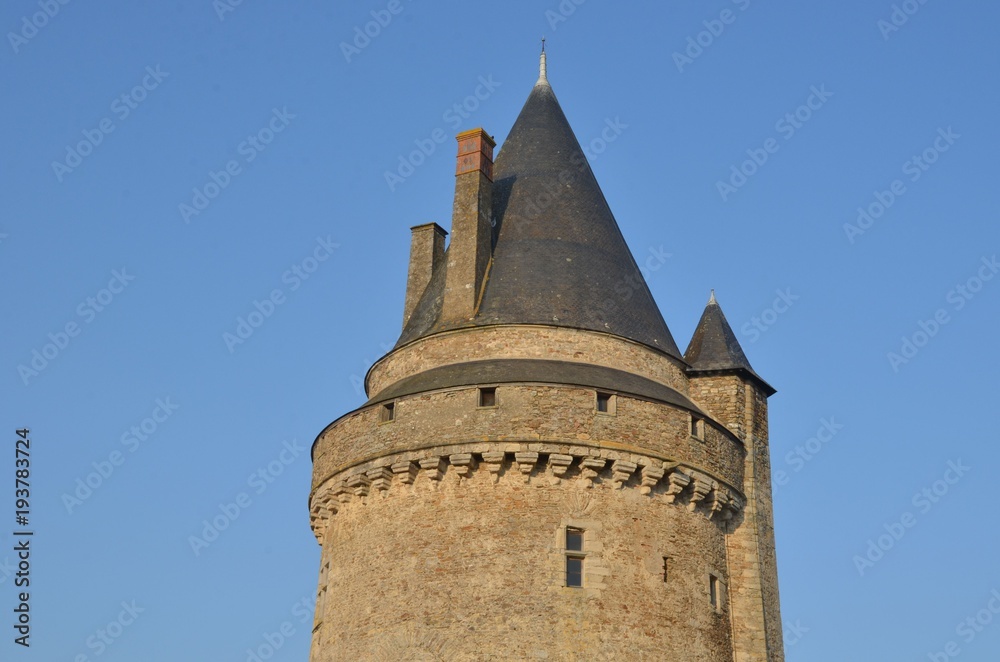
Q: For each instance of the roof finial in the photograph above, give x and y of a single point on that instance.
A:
(542, 80)
(711, 299)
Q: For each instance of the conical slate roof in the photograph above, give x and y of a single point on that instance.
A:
(714, 345)
(559, 257)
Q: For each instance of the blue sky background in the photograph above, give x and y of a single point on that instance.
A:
(223, 76)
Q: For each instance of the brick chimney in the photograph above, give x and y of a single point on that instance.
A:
(426, 257)
(471, 231)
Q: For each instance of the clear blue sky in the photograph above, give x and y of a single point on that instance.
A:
(95, 237)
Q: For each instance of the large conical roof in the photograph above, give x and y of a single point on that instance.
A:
(559, 257)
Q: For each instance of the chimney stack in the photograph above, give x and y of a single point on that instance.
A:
(426, 253)
(471, 228)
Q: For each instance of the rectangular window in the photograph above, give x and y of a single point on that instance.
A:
(488, 397)
(697, 427)
(388, 412)
(574, 571)
(574, 557)
(713, 590)
(665, 559)
(574, 540)
(605, 403)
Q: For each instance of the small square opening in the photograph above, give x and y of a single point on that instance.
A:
(388, 412)
(697, 427)
(605, 403)
(488, 396)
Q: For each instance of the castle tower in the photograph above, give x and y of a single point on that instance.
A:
(538, 472)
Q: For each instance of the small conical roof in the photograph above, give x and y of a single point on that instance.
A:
(714, 346)
(559, 257)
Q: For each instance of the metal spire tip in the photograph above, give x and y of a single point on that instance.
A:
(542, 78)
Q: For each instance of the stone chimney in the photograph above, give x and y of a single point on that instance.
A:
(426, 257)
(471, 230)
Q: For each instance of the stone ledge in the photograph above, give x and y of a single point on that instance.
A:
(537, 464)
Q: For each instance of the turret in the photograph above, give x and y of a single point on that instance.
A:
(538, 473)
(724, 383)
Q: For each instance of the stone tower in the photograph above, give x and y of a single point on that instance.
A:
(538, 472)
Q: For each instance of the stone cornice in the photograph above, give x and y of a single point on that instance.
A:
(552, 464)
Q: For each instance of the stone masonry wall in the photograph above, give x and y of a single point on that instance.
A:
(751, 555)
(443, 529)
(528, 412)
(725, 398)
(525, 342)
(764, 511)
(470, 247)
(471, 566)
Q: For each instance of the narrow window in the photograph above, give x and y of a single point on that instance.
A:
(574, 571)
(488, 397)
(713, 590)
(664, 569)
(574, 540)
(388, 412)
(697, 427)
(574, 557)
(605, 403)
